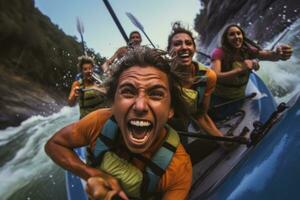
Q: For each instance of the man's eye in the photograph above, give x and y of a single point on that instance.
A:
(128, 92)
(156, 94)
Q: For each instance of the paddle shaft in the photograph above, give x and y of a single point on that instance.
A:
(235, 100)
(204, 54)
(214, 138)
(116, 20)
(148, 38)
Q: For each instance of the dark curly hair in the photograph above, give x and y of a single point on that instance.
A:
(84, 60)
(177, 28)
(145, 56)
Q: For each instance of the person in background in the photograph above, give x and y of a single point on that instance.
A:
(86, 90)
(199, 82)
(233, 62)
(135, 40)
(136, 153)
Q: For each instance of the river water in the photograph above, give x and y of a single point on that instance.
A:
(26, 173)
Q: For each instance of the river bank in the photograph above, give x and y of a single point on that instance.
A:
(22, 98)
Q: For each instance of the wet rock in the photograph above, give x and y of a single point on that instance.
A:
(21, 98)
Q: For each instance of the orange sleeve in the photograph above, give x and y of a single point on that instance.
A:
(88, 128)
(211, 81)
(177, 180)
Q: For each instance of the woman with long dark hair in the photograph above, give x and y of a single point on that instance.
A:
(233, 63)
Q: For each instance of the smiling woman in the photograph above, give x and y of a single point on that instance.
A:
(233, 62)
(136, 154)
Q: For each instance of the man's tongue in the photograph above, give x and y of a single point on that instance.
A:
(139, 132)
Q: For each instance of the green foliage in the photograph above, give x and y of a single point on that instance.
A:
(34, 47)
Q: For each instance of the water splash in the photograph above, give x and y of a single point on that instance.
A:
(26, 160)
(282, 77)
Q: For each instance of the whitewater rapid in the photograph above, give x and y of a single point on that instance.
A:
(25, 169)
(27, 173)
(283, 77)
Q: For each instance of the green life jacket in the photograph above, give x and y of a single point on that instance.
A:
(196, 93)
(235, 87)
(136, 183)
(90, 100)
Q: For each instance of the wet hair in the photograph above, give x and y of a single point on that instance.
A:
(84, 60)
(144, 56)
(177, 28)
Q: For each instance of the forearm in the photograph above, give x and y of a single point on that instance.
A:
(68, 159)
(208, 125)
(72, 99)
(268, 55)
(226, 76)
(282, 52)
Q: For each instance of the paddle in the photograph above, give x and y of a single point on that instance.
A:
(250, 96)
(236, 139)
(204, 54)
(116, 20)
(135, 22)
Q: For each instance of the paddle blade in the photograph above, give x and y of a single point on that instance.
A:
(134, 20)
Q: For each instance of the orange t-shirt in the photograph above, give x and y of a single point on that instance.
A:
(211, 81)
(175, 182)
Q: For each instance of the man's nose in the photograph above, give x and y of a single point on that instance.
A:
(140, 105)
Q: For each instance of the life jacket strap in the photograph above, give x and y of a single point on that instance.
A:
(105, 141)
(162, 159)
(201, 85)
(155, 167)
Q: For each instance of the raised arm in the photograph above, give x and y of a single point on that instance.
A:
(282, 52)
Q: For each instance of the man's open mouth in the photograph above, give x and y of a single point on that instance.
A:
(139, 130)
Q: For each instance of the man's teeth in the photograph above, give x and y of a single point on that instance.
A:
(140, 123)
